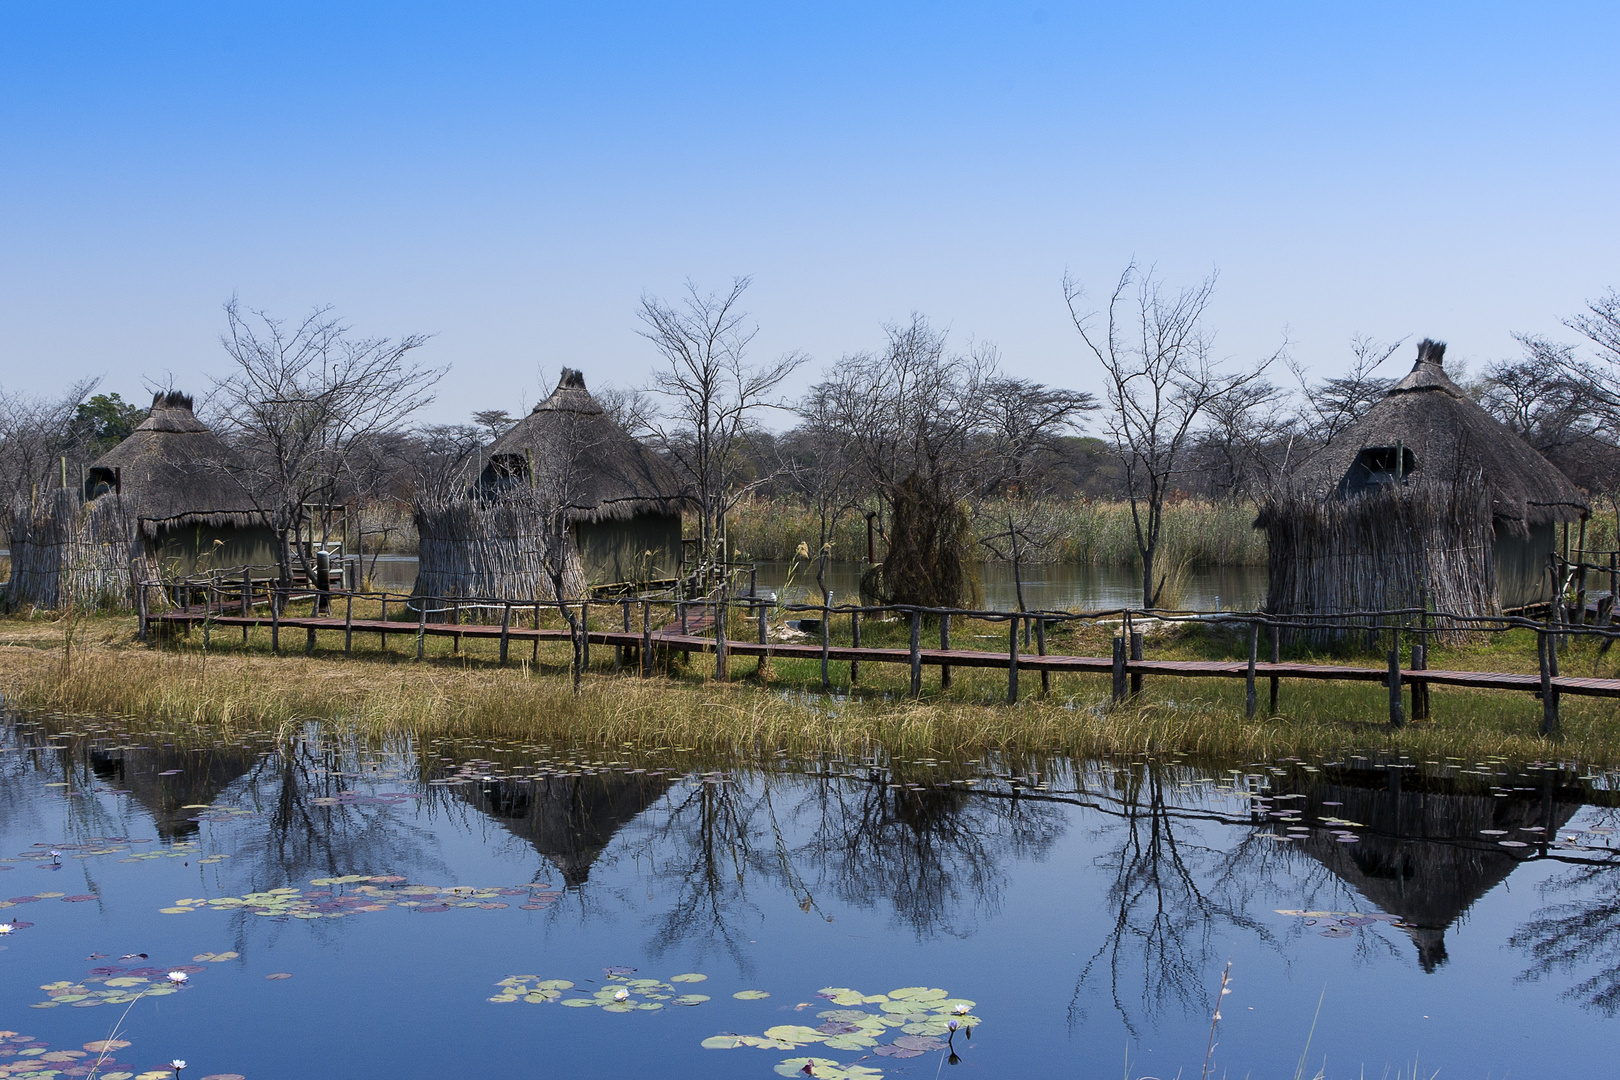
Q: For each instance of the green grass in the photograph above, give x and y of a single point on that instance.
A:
(756, 715)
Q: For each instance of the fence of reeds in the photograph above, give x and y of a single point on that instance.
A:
(69, 553)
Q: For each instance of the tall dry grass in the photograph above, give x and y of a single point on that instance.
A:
(1090, 532)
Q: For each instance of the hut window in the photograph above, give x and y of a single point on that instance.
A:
(99, 481)
(503, 473)
(1377, 465)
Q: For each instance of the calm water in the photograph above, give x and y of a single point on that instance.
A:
(1044, 586)
(1438, 915)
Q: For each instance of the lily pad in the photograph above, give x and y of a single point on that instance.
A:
(751, 995)
(811, 1066)
(689, 977)
(691, 999)
(722, 1042)
(795, 1033)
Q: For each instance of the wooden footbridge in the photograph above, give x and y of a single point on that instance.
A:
(695, 629)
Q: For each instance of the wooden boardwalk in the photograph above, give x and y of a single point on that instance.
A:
(671, 638)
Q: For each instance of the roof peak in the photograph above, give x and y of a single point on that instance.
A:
(570, 395)
(1428, 373)
(173, 399)
(1431, 352)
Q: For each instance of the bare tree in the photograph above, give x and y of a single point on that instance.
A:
(36, 436)
(914, 416)
(1026, 419)
(715, 394)
(300, 399)
(1245, 440)
(1155, 352)
(1332, 405)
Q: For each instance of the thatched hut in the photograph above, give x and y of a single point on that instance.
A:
(621, 502)
(1427, 501)
(165, 503)
(1428, 848)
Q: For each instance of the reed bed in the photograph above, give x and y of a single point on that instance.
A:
(1089, 532)
(228, 688)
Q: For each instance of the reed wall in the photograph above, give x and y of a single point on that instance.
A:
(470, 548)
(67, 552)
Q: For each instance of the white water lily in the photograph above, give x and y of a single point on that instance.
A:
(960, 1010)
(179, 978)
(177, 1064)
(6, 928)
(621, 995)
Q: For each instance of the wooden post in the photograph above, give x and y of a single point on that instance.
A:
(275, 620)
(1012, 660)
(1276, 658)
(1580, 577)
(1250, 702)
(1397, 715)
(855, 636)
(455, 617)
(534, 647)
(309, 637)
(621, 653)
(1136, 654)
(421, 625)
(945, 646)
(646, 640)
(506, 628)
(1614, 575)
(826, 629)
(680, 610)
(1040, 649)
(1119, 668)
(208, 601)
(348, 621)
(584, 634)
(247, 602)
(140, 608)
(722, 663)
(762, 612)
(916, 653)
(1549, 698)
(1420, 687)
(383, 634)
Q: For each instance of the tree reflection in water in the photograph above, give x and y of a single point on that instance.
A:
(1169, 893)
(1580, 933)
(936, 856)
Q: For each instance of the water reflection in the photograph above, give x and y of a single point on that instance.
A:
(1171, 865)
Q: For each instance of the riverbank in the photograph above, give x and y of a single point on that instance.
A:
(106, 672)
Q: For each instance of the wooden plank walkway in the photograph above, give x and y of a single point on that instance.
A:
(1057, 664)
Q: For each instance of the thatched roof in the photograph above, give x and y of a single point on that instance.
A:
(1424, 853)
(176, 471)
(580, 452)
(1448, 436)
(568, 819)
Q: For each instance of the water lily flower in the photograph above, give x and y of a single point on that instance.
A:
(6, 928)
(179, 978)
(621, 995)
(953, 1025)
(960, 1010)
(177, 1064)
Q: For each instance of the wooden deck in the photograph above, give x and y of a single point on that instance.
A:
(1056, 664)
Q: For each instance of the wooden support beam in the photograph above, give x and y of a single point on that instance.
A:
(1040, 650)
(826, 629)
(1136, 654)
(1276, 658)
(1546, 654)
(945, 645)
(1250, 703)
(1119, 668)
(1012, 660)
(421, 625)
(855, 635)
(916, 654)
(348, 622)
(506, 629)
(1397, 715)
(646, 640)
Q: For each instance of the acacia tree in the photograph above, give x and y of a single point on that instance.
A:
(913, 416)
(715, 395)
(1155, 352)
(302, 396)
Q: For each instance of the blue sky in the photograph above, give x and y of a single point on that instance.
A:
(512, 178)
